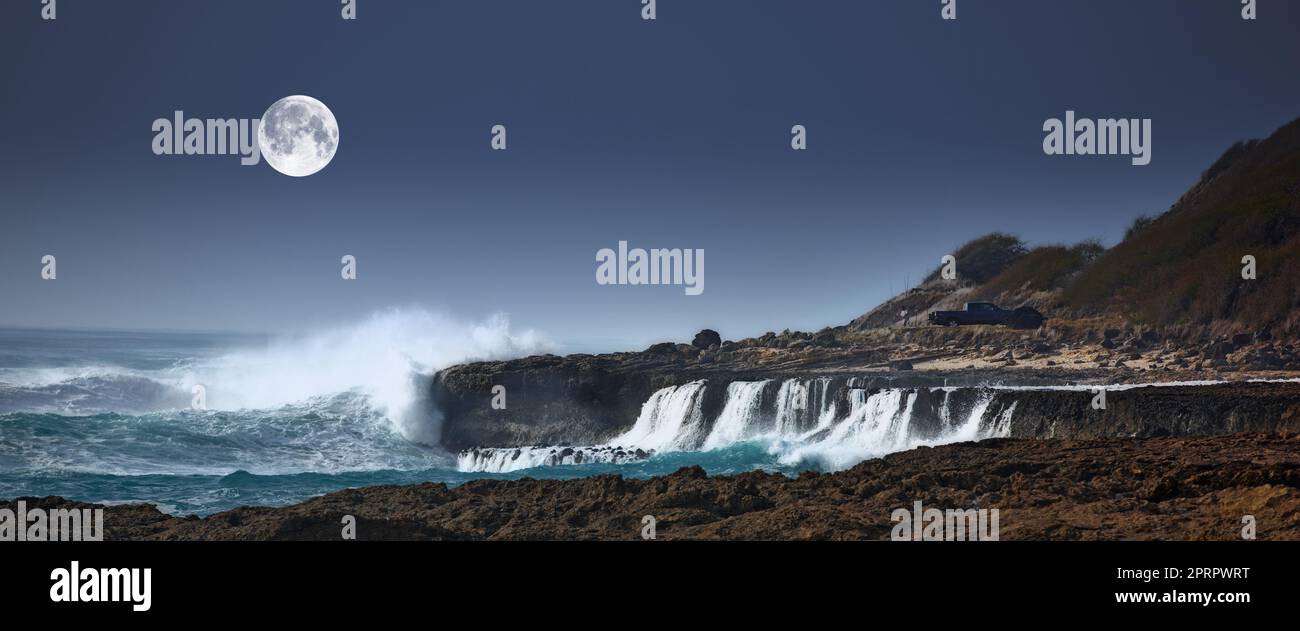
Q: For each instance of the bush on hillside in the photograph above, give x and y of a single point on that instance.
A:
(980, 260)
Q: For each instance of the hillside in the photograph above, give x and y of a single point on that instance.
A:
(1180, 272)
(1167, 303)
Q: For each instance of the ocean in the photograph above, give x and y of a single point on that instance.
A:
(106, 416)
(110, 417)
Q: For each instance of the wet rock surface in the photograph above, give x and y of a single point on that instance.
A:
(585, 399)
(1106, 489)
(590, 399)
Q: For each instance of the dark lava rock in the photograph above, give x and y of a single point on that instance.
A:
(825, 338)
(1168, 488)
(706, 338)
(662, 348)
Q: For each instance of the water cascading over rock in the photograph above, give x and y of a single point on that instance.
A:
(830, 423)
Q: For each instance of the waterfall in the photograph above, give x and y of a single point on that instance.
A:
(827, 407)
(670, 420)
(945, 410)
(791, 405)
(805, 421)
(872, 419)
(739, 417)
(1002, 426)
(970, 429)
(876, 424)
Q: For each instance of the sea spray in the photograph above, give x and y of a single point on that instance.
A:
(389, 357)
(343, 399)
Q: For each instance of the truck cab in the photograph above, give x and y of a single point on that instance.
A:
(984, 313)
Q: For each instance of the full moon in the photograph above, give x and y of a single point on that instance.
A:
(298, 135)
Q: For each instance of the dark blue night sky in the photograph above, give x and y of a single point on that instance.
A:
(673, 133)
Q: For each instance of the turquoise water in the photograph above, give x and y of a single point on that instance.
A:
(205, 494)
(106, 417)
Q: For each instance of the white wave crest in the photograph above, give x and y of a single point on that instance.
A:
(389, 358)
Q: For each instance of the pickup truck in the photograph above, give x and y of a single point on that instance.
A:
(989, 313)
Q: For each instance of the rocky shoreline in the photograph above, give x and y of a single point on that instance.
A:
(1173, 461)
(583, 400)
(1103, 489)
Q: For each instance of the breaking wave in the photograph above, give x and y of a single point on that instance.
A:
(342, 399)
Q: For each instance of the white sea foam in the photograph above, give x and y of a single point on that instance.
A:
(802, 425)
(389, 357)
(670, 420)
(736, 421)
(507, 459)
(321, 402)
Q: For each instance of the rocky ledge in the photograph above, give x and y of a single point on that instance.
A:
(1105, 489)
(585, 399)
(589, 400)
